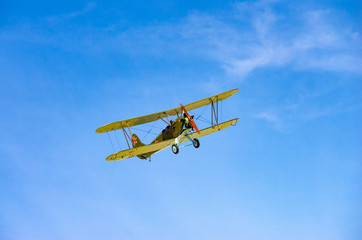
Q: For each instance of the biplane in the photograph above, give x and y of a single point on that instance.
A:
(180, 128)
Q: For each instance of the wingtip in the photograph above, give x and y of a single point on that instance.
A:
(99, 130)
(235, 121)
(102, 130)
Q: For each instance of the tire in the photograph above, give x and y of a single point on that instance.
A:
(196, 143)
(174, 149)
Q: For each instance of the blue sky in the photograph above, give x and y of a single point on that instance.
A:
(290, 169)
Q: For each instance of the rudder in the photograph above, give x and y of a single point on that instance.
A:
(136, 142)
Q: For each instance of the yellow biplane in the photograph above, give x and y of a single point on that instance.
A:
(178, 131)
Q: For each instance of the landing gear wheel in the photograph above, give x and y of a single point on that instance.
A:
(174, 148)
(196, 143)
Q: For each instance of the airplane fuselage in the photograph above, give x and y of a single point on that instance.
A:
(173, 130)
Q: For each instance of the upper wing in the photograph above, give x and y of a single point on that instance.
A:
(164, 144)
(171, 112)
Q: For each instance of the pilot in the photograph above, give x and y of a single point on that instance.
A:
(187, 123)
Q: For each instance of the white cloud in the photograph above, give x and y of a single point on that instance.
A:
(315, 44)
(253, 36)
(303, 109)
(272, 118)
(59, 18)
(250, 36)
(268, 116)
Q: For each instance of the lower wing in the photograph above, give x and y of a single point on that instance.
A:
(211, 129)
(155, 147)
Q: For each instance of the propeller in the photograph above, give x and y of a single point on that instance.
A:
(191, 120)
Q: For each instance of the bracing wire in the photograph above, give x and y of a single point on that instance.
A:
(144, 131)
(202, 113)
(117, 139)
(148, 125)
(149, 131)
(111, 142)
(202, 119)
(200, 116)
(146, 135)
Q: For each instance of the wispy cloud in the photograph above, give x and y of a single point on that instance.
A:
(271, 117)
(67, 16)
(305, 109)
(315, 43)
(56, 30)
(247, 37)
(253, 36)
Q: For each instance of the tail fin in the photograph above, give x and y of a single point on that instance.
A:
(136, 142)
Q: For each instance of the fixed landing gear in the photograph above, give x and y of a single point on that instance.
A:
(175, 149)
(196, 142)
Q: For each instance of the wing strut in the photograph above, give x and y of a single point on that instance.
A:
(126, 134)
(214, 111)
(169, 121)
